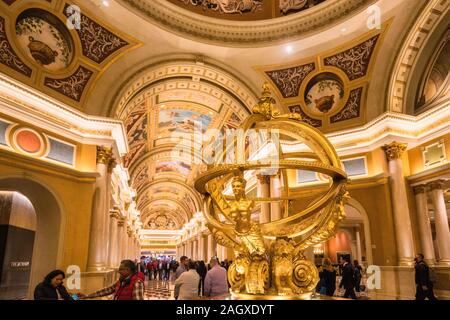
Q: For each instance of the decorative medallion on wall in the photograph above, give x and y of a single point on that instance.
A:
(28, 141)
(324, 93)
(44, 39)
(354, 61)
(7, 55)
(328, 94)
(97, 42)
(72, 86)
(289, 80)
(35, 41)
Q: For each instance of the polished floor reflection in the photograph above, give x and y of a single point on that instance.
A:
(159, 290)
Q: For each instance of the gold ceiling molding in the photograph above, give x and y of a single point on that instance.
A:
(39, 49)
(244, 34)
(329, 90)
(411, 49)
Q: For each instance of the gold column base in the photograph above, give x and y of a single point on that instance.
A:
(246, 296)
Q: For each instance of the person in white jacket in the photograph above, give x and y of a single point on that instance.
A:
(187, 283)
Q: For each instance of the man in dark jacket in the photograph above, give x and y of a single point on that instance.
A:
(424, 287)
(348, 279)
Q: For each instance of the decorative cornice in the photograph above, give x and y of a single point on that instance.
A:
(394, 150)
(201, 28)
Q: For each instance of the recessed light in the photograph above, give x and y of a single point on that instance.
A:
(289, 49)
(106, 3)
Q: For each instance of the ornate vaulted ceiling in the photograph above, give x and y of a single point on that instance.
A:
(38, 48)
(169, 111)
(175, 69)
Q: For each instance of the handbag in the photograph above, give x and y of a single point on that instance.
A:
(323, 290)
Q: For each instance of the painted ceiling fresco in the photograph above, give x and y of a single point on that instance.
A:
(44, 53)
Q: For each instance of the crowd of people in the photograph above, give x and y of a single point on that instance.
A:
(196, 279)
(350, 275)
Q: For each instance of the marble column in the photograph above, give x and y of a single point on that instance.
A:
(212, 247)
(423, 219)
(200, 255)
(402, 219)
(107, 217)
(195, 251)
(129, 255)
(263, 189)
(121, 230)
(114, 237)
(97, 257)
(440, 220)
(275, 191)
(358, 246)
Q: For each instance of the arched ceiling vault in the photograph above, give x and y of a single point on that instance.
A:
(171, 112)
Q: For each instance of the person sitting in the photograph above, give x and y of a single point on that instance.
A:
(52, 287)
(129, 286)
(187, 283)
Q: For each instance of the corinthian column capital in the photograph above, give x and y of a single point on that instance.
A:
(394, 150)
(262, 178)
(420, 189)
(436, 185)
(104, 154)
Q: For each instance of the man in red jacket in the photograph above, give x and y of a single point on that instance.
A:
(129, 286)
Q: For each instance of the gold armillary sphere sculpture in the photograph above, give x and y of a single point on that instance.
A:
(269, 257)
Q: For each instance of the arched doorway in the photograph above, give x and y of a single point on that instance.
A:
(47, 225)
(17, 233)
(353, 238)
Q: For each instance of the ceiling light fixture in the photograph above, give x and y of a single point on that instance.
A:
(289, 49)
(106, 3)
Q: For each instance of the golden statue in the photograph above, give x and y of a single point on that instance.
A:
(269, 261)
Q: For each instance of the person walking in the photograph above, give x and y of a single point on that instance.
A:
(328, 277)
(129, 286)
(201, 270)
(180, 270)
(216, 279)
(348, 279)
(187, 283)
(52, 287)
(424, 286)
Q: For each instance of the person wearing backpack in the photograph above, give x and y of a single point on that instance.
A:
(424, 286)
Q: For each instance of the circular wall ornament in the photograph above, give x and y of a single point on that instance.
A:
(28, 141)
(324, 94)
(44, 39)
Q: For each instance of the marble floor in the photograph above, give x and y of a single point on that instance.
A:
(163, 290)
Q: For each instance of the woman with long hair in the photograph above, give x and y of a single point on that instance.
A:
(52, 287)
